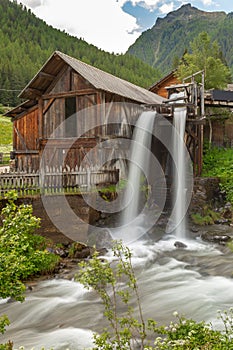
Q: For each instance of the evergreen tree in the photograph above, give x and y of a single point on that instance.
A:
(206, 55)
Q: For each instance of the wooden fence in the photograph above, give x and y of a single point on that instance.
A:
(53, 180)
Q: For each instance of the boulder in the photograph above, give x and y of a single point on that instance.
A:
(215, 238)
(79, 250)
(82, 254)
(178, 244)
(221, 221)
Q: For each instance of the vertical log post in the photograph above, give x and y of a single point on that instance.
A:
(200, 149)
(40, 117)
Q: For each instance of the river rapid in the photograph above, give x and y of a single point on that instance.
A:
(195, 281)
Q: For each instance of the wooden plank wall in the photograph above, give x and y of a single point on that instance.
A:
(94, 107)
(26, 141)
(26, 132)
(222, 133)
(27, 161)
(160, 88)
(69, 84)
(64, 152)
(53, 117)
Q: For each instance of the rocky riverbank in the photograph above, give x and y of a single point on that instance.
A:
(70, 256)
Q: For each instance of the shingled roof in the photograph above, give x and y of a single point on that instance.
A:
(99, 79)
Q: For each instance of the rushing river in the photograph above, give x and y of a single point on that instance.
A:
(195, 281)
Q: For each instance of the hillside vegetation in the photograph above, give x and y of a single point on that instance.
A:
(26, 42)
(166, 42)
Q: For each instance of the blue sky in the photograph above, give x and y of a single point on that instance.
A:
(112, 25)
(146, 12)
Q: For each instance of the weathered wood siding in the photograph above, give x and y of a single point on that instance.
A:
(222, 133)
(160, 88)
(69, 84)
(53, 117)
(111, 115)
(26, 140)
(26, 131)
(67, 152)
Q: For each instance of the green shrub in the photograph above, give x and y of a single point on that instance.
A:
(4, 321)
(107, 282)
(187, 334)
(22, 252)
(6, 346)
(218, 162)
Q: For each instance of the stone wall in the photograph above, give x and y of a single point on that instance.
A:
(206, 191)
(77, 226)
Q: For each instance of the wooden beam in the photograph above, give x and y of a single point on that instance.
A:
(33, 91)
(22, 114)
(67, 143)
(196, 121)
(200, 149)
(48, 105)
(191, 133)
(56, 79)
(47, 76)
(70, 94)
(40, 117)
(89, 99)
(26, 152)
(21, 138)
(211, 103)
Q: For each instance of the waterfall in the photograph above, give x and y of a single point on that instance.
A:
(144, 196)
(143, 199)
(179, 174)
(139, 166)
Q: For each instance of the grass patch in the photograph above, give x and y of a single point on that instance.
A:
(208, 218)
(6, 138)
(6, 129)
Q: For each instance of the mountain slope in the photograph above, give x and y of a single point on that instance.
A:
(168, 39)
(26, 42)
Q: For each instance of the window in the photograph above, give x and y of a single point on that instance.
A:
(70, 117)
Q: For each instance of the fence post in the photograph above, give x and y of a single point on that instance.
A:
(88, 178)
(50, 180)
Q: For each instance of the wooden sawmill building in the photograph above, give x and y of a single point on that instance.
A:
(63, 87)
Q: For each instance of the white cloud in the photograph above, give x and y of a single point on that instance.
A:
(102, 23)
(148, 4)
(208, 2)
(32, 3)
(166, 8)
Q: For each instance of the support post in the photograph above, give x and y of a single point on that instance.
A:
(200, 149)
(40, 117)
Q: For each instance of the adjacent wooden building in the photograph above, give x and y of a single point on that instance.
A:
(160, 87)
(100, 103)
